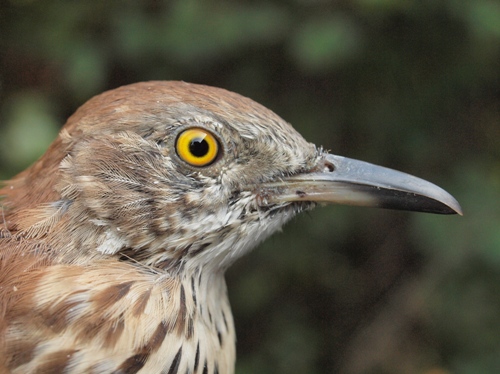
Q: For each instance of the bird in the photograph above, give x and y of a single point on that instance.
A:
(114, 244)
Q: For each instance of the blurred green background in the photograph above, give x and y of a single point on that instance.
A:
(410, 84)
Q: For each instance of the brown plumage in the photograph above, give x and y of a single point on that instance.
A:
(113, 245)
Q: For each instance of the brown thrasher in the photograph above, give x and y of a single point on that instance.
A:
(114, 244)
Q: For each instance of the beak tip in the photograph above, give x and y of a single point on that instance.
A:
(450, 204)
(457, 209)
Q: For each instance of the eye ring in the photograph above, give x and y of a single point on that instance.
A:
(197, 147)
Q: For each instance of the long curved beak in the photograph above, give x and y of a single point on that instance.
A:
(352, 182)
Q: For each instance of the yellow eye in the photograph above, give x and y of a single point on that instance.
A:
(197, 147)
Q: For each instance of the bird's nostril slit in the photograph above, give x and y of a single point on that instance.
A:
(329, 167)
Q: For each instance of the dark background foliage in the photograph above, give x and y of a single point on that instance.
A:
(412, 85)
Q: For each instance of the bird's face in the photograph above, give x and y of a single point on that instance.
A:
(174, 176)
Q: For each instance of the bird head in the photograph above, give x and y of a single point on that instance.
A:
(176, 176)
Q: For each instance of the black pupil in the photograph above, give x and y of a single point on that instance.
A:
(198, 147)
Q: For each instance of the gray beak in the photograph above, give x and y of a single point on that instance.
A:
(352, 182)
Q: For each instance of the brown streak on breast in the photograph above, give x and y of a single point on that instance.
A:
(55, 362)
(140, 304)
(197, 357)
(180, 323)
(19, 353)
(55, 316)
(193, 291)
(114, 333)
(133, 364)
(190, 328)
(174, 368)
(157, 338)
(196, 251)
(111, 295)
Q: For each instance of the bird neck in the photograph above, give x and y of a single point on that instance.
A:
(205, 294)
(204, 320)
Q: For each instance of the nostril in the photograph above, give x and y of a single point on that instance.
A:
(329, 167)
